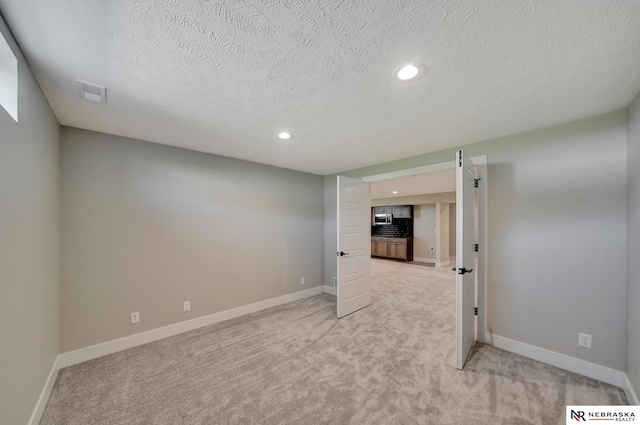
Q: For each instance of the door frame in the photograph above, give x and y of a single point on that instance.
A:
(481, 162)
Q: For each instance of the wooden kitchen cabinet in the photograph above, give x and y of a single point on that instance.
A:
(379, 247)
(400, 248)
(396, 248)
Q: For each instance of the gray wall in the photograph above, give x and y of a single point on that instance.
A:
(452, 230)
(556, 235)
(29, 246)
(442, 235)
(146, 227)
(424, 237)
(330, 229)
(633, 239)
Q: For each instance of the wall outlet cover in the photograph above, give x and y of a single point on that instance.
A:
(584, 340)
(135, 317)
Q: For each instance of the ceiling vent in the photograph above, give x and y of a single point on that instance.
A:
(92, 92)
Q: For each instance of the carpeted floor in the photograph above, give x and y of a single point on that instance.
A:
(390, 363)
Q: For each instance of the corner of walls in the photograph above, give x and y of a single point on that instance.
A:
(29, 249)
(633, 247)
(330, 236)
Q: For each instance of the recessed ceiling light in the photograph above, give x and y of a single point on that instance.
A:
(408, 71)
(284, 135)
(395, 192)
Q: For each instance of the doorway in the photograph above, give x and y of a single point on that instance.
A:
(481, 207)
(429, 200)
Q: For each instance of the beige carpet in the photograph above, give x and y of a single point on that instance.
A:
(390, 363)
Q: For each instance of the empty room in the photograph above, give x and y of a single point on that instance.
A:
(188, 211)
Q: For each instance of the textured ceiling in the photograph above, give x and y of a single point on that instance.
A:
(226, 77)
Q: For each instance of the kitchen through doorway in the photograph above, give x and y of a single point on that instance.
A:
(430, 192)
(413, 219)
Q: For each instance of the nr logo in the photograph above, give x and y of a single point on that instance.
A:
(577, 415)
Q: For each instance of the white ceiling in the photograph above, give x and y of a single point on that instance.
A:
(437, 182)
(226, 77)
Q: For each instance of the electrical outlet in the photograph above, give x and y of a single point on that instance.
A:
(335, 282)
(186, 306)
(135, 317)
(584, 340)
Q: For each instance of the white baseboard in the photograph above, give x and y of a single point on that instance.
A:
(330, 290)
(572, 364)
(632, 397)
(36, 416)
(424, 260)
(443, 264)
(109, 347)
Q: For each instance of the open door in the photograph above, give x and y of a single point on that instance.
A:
(465, 258)
(354, 245)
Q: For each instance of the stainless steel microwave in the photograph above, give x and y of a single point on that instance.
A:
(380, 219)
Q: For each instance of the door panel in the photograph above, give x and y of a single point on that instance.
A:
(465, 258)
(354, 288)
(354, 243)
(352, 218)
(353, 265)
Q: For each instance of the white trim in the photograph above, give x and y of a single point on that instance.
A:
(38, 410)
(483, 251)
(424, 260)
(443, 263)
(330, 290)
(632, 398)
(572, 364)
(109, 347)
(410, 172)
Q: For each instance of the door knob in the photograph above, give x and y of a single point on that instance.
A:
(342, 254)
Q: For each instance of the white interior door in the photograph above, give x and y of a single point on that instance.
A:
(354, 245)
(465, 258)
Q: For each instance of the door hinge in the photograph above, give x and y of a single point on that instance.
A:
(475, 311)
(475, 247)
(476, 182)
